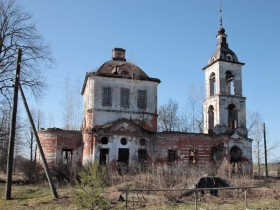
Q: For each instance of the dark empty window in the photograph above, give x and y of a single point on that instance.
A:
(217, 153)
(66, 156)
(104, 157)
(106, 96)
(104, 140)
(142, 142)
(123, 156)
(232, 116)
(142, 155)
(172, 156)
(123, 141)
(142, 99)
(124, 97)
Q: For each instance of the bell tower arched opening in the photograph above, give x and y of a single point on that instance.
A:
(212, 82)
(210, 119)
(232, 117)
(230, 83)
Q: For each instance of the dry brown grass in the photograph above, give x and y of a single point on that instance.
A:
(185, 177)
(157, 177)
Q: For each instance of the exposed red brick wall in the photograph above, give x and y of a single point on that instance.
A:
(89, 145)
(53, 142)
(183, 143)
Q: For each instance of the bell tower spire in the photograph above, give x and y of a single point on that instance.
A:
(224, 106)
(221, 18)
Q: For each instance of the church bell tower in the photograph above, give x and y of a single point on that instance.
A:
(224, 106)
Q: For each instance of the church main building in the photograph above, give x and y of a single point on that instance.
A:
(120, 118)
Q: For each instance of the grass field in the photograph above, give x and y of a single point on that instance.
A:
(40, 197)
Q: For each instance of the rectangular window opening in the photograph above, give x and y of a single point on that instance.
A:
(125, 93)
(106, 96)
(172, 156)
(142, 99)
(104, 157)
(123, 156)
(66, 156)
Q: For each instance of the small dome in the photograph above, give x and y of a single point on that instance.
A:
(221, 30)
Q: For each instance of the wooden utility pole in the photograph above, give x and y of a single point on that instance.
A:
(11, 146)
(45, 164)
(31, 146)
(265, 152)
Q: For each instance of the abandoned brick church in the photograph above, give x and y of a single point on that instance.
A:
(120, 118)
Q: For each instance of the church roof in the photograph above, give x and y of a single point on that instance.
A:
(223, 52)
(118, 67)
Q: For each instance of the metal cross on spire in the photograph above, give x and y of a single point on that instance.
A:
(221, 19)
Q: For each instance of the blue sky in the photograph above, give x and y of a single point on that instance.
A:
(169, 40)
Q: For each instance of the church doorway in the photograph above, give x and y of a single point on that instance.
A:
(235, 158)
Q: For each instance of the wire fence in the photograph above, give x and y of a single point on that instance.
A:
(138, 201)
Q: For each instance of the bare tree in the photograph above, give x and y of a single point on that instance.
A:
(4, 137)
(78, 107)
(184, 125)
(255, 131)
(168, 119)
(71, 106)
(195, 109)
(18, 31)
(38, 118)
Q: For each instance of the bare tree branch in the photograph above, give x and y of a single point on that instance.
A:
(18, 31)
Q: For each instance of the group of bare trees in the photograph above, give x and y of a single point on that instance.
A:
(17, 30)
(256, 131)
(170, 118)
(71, 107)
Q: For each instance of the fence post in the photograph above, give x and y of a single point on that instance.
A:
(195, 200)
(126, 198)
(246, 197)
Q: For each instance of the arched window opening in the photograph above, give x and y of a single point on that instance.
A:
(212, 84)
(235, 157)
(211, 118)
(192, 156)
(229, 83)
(232, 116)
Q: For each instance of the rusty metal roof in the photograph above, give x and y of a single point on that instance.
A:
(120, 69)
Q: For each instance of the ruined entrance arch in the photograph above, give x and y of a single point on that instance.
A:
(235, 154)
(235, 158)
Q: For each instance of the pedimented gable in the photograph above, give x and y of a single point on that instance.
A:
(237, 137)
(123, 127)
